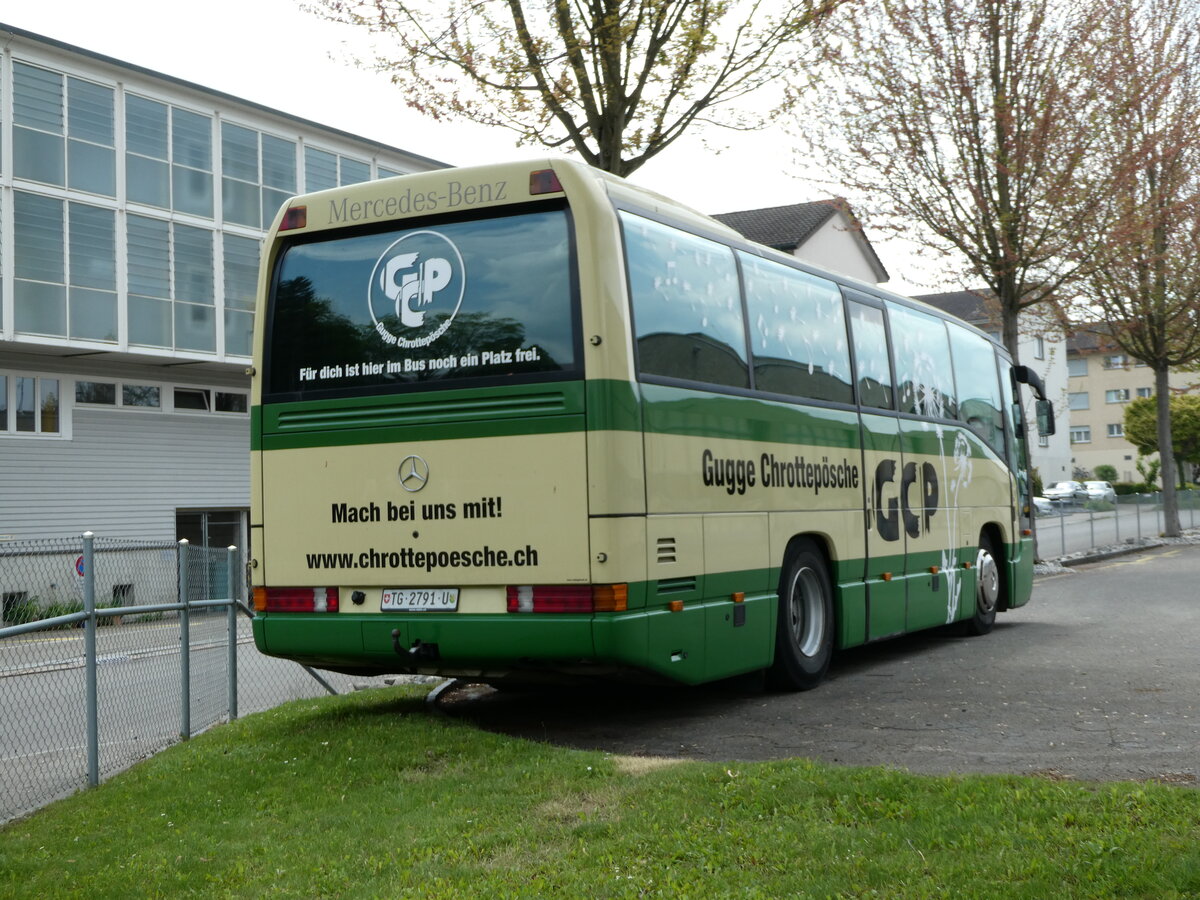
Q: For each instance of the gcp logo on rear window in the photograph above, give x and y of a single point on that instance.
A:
(416, 288)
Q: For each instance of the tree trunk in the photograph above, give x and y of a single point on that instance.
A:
(1166, 454)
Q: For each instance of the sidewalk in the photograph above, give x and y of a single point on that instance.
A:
(1062, 565)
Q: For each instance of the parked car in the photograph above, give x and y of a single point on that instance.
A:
(1065, 492)
(1042, 506)
(1100, 490)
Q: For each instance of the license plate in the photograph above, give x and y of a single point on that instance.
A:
(410, 599)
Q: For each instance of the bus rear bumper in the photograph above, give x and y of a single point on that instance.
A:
(694, 645)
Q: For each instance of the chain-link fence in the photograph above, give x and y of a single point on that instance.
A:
(111, 650)
(102, 665)
(1076, 526)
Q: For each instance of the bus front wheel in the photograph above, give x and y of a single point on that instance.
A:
(804, 635)
(987, 588)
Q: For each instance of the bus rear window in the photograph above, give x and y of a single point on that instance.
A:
(442, 303)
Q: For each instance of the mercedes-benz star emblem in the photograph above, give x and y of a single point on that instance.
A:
(414, 473)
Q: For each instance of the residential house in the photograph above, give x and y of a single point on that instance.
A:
(822, 233)
(1102, 380)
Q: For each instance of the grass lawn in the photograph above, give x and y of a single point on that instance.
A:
(372, 795)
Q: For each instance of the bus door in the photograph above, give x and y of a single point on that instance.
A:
(927, 483)
(886, 539)
(883, 467)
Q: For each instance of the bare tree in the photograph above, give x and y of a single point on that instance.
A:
(617, 81)
(963, 124)
(1145, 281)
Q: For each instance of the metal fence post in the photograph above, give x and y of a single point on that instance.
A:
(231, 612)
(1092, 524)
(89, 659)
(1117, 515)
(1137, 499)
(185, 646)
(1062, 530)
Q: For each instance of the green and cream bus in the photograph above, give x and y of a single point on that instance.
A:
(525, 422)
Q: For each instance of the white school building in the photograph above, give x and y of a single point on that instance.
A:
(132, 210)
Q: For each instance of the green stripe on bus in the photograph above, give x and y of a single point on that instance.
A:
(556, 408)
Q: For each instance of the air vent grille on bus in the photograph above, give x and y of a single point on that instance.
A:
(422, 412)
(677, 585)
(666, 550)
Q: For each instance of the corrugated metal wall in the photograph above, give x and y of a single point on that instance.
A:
(123, 473)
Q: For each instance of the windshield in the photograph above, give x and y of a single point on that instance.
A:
(443, 303)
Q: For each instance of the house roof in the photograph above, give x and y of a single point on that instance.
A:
(780, 227)
(786, 228)
(970, 306)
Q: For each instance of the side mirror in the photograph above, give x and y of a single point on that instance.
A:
(1044, 411)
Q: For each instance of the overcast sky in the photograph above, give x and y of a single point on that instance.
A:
(272, 52)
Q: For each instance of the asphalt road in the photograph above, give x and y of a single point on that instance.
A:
(1098, 678)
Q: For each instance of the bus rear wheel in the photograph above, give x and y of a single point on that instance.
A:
(804, 635)
(988, 585)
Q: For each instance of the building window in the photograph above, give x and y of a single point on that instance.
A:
(29, 405)
(1081, 434)
(168, 157)
(66, 273)
(39, 152)
(106, 393)
(1043, 440)
(1077, 400)
(92, 260)
(191, 163)
(239, 184)
(1117, 395)
(171, 262)
(147, 396)
(204, 400)
(39, 288)
(1077, 366)
(147, 169)
(91, 155)
(241, 283)
(63, 131)
(354, 171)
(1039, 347)
(1145, 392)
(278, 175)
(320, 169)
(323, 169)
(1116, 430)
(1116, 361)
(230, 402)
(195, 313)
(251, 193)
(99, 393)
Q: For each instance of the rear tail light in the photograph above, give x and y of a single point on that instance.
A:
(544, 181)
(567, 598)
(295, 217)
(324, 599)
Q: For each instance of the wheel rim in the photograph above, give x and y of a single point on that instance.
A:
(806, 611)
(987, 591)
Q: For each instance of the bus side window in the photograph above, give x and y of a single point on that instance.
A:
(687, 305)
(924, 383)
(978, 387)
(798, 332)
(873, 374)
